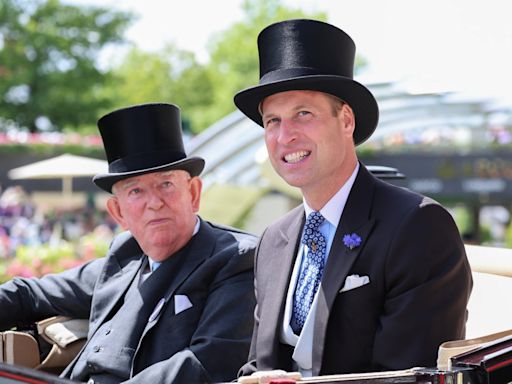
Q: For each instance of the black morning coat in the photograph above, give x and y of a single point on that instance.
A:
(206, 342)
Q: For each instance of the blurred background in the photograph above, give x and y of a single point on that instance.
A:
(439, 70)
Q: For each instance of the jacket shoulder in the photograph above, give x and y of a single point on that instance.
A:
(287, 219)
(246, 241)
(124, 247)
(401, 198)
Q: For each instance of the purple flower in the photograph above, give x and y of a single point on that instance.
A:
(352, 241)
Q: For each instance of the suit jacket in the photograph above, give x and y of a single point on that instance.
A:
(419, 285)
(207, 342)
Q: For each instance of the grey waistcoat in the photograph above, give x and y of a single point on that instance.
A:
(108, 356)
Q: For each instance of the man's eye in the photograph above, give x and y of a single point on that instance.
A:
(273, 120)
(134, 191)
(167, 184)
(304, 113)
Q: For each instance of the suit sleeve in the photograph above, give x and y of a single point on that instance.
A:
(251, 366)
(69, 293)
(428, 282)
(219, 344)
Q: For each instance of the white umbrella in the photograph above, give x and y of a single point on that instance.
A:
(64, 167)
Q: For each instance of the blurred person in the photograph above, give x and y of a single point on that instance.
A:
(363, 276)
(17, 219)
(172, 302)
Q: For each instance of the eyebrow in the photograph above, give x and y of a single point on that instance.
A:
(127, 185)
(295, 109)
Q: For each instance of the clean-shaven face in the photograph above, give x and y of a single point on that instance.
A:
(159, 209)
(310, 144)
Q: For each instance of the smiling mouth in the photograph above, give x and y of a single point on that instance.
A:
(295, 157)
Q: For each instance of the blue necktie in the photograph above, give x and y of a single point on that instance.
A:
(311, 273)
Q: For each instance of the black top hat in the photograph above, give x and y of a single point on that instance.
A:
(309, 55)
(142, 139)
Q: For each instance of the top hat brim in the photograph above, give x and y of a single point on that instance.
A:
(359, 98)
(193, 165)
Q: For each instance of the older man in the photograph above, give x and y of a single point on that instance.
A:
(364, 276)
(173, 300)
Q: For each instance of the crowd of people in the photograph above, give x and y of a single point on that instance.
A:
(24, 224)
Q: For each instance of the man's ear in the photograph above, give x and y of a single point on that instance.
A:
(196, 185)
(349, 119)
(114, 211)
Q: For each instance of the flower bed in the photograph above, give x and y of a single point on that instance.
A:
(39, 260)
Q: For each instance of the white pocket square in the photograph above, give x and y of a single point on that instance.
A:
(354, 281)
(181, 303)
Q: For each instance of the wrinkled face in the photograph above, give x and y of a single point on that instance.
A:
(159, 209)
(309, 140)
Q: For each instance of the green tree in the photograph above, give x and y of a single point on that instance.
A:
(172, 75)
(203, 91)
(50, 78)
(234, 55)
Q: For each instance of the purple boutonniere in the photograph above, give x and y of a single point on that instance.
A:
(352, 240)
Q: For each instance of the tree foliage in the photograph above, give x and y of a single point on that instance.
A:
(234, 55)
(172, 76)
(49, 62)
(50, 76)
(203, 91)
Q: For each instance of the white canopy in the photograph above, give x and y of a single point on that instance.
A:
(65, 167)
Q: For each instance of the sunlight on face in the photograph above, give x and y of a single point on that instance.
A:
(308, 135)
(158, 208)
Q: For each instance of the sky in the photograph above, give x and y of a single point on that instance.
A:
(437, 45)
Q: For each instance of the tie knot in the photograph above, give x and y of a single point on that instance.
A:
(313, 221)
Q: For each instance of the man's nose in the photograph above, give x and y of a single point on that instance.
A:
(287, 131)
(155, 200)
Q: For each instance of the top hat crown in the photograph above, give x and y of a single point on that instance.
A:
(303, 54)
(142, 139)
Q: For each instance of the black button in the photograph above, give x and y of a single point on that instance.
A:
(96, 348)
(108, 331)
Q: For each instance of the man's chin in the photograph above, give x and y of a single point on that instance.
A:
(292, 181)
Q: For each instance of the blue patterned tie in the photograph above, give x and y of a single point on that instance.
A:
(311, 274)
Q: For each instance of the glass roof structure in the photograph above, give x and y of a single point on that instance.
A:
(235, 153)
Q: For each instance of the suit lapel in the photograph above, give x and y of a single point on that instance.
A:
(117, 277)
(195, 252)
(282, 261)
(355, 219)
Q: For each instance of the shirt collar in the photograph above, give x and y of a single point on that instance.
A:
(333, 209)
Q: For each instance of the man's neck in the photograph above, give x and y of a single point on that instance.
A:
(318, 196)
(160, 254)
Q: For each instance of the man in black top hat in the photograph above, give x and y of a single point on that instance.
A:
(364, 276)
(173, 300)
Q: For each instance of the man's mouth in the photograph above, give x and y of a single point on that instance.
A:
(295, 157)
(157, 221)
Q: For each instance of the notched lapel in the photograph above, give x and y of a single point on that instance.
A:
(282, 249)
(115, 280)
(340, 261)
(356, 218)
(200, 248)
